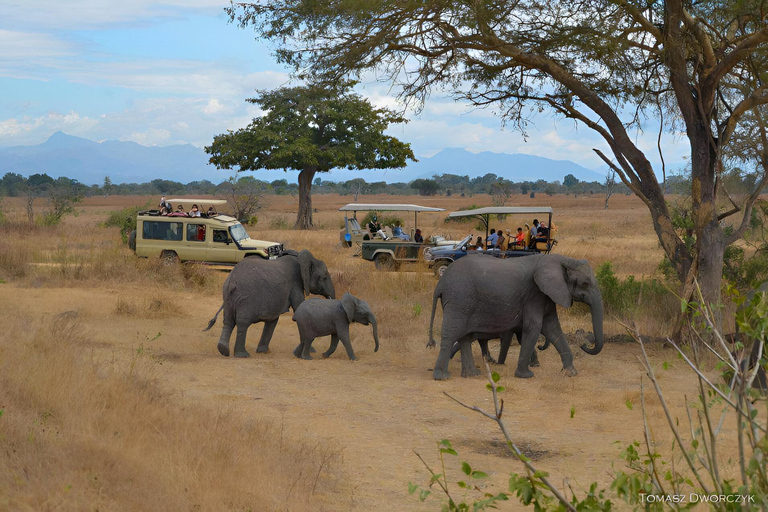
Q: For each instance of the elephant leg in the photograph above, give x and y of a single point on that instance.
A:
(484, 350)
(306, 345)
(468, 368)
(534, 363)
(226, 333)
(242, 331)
(348, 346)
(552, 331)
(266, 336)
(506, 341)
(298, 350)
(527, 346)
(228, 321)
(332, 347)
(443, 357)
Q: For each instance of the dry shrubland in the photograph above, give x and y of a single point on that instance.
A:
(90, 420)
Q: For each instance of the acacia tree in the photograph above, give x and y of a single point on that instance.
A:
(311, 129)
(604, 63)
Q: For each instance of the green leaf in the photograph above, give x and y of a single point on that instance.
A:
(462, 484)
(466, 468)
(479, 474)
(488, 387)
(499, 389)
(412, 488)
(423, 495)
(449, 451)
(629, 404)
(1, 412)
(495, 377)
(445, 443)
(540, 474)
(573, 411)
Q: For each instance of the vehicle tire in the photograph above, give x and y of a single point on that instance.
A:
(169, 258)
(385, 261)
(132, 240)
(440, 268)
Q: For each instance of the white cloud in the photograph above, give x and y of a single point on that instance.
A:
(83, 14)
(18, 45)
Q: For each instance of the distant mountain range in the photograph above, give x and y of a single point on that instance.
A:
(128, 162)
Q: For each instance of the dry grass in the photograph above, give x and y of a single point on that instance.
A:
(125, 404)
(80, 431)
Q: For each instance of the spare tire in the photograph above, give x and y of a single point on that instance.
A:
(132, 240)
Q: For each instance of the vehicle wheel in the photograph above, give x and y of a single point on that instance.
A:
(169, 258)
(385, 261)
(440, 268)
(132, 240)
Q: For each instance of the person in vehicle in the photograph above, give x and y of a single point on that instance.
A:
(520, 237)
(374, 225)
(397, 231)
(492, 239)
(194, 212)
(211, 211)
(417, 237)
(535, 234)
(500, 240)
(479, 244)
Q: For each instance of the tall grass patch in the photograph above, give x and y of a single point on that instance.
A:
(82, 431)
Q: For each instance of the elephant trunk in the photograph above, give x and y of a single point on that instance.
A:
(372, 320)
(596, 306)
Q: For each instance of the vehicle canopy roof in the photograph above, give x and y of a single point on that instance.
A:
(484, 214)
(360, 207)
(211, 202)
(502, 210)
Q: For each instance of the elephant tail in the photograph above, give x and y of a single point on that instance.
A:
(438, 293)
(213, 320)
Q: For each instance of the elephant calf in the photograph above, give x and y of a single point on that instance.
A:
(332, 317)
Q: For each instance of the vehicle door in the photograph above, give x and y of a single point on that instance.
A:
(221, 247)
(194, 241)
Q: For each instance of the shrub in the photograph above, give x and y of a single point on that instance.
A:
(124, 220)
(623, 296)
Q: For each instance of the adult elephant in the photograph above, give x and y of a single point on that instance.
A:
(260, 290)
(484, 296)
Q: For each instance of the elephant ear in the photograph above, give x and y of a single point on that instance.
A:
(306, 261)
(551, 277)
(348, 303)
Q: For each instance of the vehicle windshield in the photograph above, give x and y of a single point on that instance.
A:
(238, 232)
(465, 240)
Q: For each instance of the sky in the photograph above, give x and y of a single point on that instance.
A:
(177, 72)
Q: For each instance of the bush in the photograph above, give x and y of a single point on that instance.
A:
(623, 296)
(124, 220)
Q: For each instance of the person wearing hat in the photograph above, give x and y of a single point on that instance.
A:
(374, 225)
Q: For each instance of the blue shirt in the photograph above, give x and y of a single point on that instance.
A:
(492, 239)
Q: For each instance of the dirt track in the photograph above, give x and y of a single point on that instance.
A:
(372, 414)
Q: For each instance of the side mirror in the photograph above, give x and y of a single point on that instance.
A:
(229, 240)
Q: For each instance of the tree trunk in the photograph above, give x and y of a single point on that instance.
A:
(304, 217)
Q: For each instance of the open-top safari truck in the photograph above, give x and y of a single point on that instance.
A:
(439, 258)
(383, 246)
(211, 237)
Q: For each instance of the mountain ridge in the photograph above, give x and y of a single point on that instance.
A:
(90, 162)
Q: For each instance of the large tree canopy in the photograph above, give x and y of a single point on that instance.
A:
(604, 63)
(312, 129)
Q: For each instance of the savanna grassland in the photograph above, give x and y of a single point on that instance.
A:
(112, 397)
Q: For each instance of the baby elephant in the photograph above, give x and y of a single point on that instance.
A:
(319, 317)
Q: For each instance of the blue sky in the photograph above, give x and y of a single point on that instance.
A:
(176, 72)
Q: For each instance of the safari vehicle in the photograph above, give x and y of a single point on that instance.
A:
(385, 249)
(211, 238)
(439, 258)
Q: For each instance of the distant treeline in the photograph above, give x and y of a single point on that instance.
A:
(16, 185)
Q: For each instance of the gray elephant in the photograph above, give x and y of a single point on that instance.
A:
(260, 290)
(490, 296)
(332, 317)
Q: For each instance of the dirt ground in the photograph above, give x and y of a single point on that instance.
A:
(373, 415)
